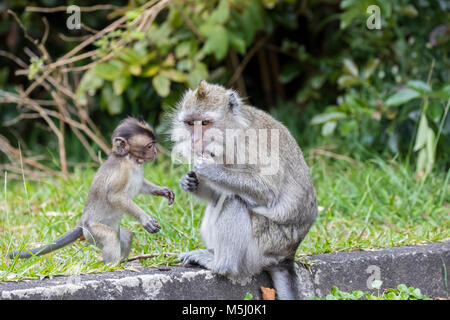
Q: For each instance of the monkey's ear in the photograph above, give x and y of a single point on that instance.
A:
(200, 94)
(120, 146)
(234, 101)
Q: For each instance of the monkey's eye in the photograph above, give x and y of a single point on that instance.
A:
(190, 123)
(206, 122)
(150, 145)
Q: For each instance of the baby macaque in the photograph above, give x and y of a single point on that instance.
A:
(119, 179)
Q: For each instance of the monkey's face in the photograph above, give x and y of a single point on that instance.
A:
(197, 127)
(202, 119)
(142, 147)
(136, 138)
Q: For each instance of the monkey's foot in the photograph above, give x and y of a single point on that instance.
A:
(201, 257)
(205, 258)
(225, 270)
(112, 260)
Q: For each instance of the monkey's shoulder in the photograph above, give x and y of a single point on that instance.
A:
(114, 174)
(263, 120)
(123, 165)
(100, 182)
(111, 164)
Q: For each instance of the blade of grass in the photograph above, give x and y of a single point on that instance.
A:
(23, 178)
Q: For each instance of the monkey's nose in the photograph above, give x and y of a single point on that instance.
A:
(198, 145)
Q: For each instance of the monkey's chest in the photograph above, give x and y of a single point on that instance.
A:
(135, 183)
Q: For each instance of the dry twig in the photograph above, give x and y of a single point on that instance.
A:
(322, 152)
(64, 8)
(245, 61)
(59, 78)
(152, 255)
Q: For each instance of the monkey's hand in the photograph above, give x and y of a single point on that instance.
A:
(189, 182)
(151, 225)
(205, 166)
(165, 192)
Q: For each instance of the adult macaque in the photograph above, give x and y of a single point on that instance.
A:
(256, 217)
(119, 179)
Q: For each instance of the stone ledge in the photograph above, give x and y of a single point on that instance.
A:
(421, 266)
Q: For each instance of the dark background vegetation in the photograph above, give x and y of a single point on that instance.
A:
(313, 64)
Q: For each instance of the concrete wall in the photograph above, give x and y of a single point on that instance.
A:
(422, 266)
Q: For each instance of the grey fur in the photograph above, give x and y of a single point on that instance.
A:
(252, 222)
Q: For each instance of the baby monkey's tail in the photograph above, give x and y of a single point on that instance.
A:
(66, 239)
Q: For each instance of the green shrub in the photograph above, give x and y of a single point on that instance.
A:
(328, 77)
(402, 292)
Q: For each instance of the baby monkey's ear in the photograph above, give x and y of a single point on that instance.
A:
(120, 146)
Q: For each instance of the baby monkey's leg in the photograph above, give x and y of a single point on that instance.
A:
(126, 238)
(107, 239)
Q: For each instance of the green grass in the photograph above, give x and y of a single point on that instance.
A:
(369, 205)
(402, 292)
(377, 204)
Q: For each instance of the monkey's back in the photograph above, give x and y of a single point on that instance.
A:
(97, 207)
(293, 188)
(290, 150)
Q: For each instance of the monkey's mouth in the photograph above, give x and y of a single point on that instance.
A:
(140, 159)
(148, 159)
(136, 159)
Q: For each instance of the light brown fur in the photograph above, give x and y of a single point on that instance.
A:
(119, 179)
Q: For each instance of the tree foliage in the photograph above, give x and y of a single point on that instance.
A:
(313, 64)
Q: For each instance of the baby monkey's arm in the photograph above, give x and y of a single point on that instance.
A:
(150, 188)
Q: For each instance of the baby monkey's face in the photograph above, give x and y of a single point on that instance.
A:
(143, 147)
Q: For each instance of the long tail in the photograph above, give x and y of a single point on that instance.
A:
(284, 280)
(66, 239)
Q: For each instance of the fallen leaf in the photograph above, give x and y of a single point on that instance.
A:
(268, 293)
(31, 209)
